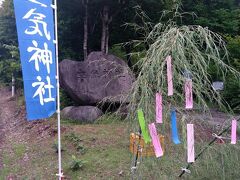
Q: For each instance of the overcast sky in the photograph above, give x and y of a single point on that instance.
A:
(1, 2)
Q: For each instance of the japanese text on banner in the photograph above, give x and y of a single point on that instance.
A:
(35, 27)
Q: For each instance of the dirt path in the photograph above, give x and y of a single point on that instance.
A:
(4, 116)
(2, 137)
(17, 133)
(11, 120)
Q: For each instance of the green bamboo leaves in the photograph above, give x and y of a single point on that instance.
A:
(193, 49)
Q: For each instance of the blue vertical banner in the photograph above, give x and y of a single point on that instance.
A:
(35, 27)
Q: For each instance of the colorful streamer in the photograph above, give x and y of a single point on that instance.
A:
(144, 130)
(169, 75)
(155, 140)
(188, 94)
(234, 132)
(190, 143)
(159, 108)
(175, 137)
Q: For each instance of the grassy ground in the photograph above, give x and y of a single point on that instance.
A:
(102, 149)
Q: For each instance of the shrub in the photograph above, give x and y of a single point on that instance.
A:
(76, 164)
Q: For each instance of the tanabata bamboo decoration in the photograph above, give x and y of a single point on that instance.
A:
(169, 75)
(234, 132)
(143, 127)
(155, 140)
(188, 94)
(159, 108)
(190, 143)
(175, 137)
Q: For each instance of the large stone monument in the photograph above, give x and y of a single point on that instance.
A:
(100, 77)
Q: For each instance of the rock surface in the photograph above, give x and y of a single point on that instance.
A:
(100, 77)
(86, 114)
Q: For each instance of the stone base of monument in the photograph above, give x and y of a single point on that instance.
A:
(84, 114)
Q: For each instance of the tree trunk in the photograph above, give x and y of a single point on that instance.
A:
(103, 40)
(105, 22)
(107, 38)
(13, 85)
(85, 41)
(128, 48)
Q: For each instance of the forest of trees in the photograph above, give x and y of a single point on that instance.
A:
(100, 25)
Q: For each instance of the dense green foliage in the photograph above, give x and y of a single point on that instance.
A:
(9, 58)
(221, 16)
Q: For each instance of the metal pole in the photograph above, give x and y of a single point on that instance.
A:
(58, 94)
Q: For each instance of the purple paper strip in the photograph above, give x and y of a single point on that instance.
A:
(169, 75)
(188, 94)
(190, 143)
(159, 108)
(234, 132)
(155, 140)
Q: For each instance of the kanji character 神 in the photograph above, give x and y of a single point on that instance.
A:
(41, 55)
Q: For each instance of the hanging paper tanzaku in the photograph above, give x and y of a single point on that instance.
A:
(175, 137)
(234, 132)
(143, 127)
(159, 108)
(36, 39)
(155, 140)
(188, 94)
(169, 75)
(190, 143)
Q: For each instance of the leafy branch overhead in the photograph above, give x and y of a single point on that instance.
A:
(193, 49)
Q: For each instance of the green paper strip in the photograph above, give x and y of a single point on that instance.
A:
(142, 123)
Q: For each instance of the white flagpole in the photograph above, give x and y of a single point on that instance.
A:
(60, 175)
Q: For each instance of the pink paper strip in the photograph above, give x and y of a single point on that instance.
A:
(188, 94)
(159, 108)
(234, 132)
(169, 75)
(190, 143)
(155, 140)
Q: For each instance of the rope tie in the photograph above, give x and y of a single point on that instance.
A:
(60, 175)
(221, 138)
(186, 170)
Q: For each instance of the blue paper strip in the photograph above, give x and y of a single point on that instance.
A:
(35, 27)
(175, 137)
